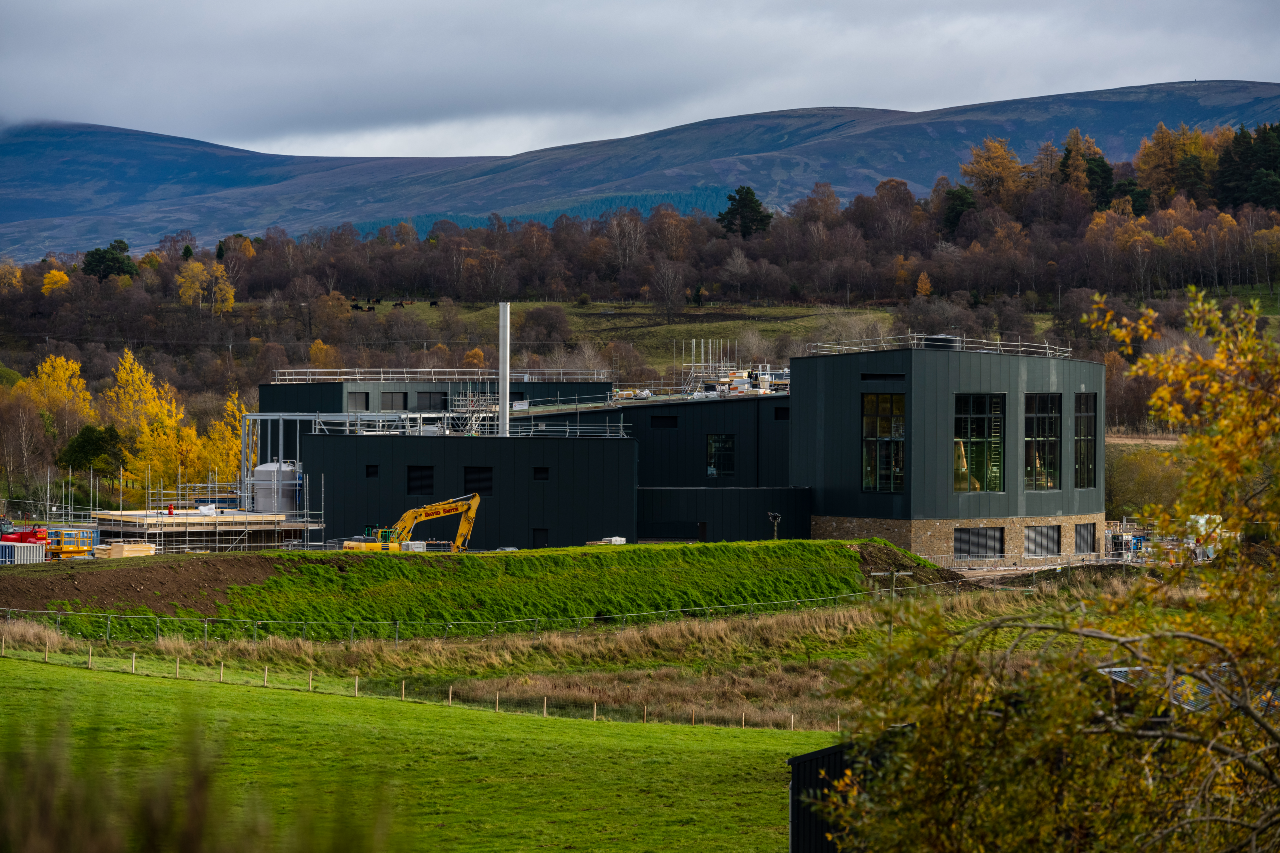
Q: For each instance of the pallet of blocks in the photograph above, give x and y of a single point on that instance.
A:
(116, 550)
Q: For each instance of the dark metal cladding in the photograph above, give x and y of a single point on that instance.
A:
(811, 775)
(589, 490)
(826, 419)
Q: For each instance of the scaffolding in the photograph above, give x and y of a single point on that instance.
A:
(210, 516)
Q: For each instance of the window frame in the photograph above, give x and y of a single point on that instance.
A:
(1085, 446)
(468, 480)
(884, 457)
(994, 429)
(1042, 442)
(716, 455)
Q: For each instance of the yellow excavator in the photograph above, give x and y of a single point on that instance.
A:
(391, 538)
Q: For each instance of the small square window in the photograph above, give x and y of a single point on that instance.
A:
(664, 421)
(422, 480)
(433, 401)
(542, 473)
(478, 481)
(357, 401)
(395, 401)
(370, 471)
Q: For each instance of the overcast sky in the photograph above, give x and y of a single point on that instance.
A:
(425, 78)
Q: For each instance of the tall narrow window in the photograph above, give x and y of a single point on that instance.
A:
(1042, 443)
(979, 443)
(720, 455)
(1086, 441)
(884, 439)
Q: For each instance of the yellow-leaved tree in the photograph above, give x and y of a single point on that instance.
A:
(159, 446)
(54, 280)
(324, 356)
(193, 280)
(10, 275)
(224, 295)
(58, 391)
(924, 286)
(995, 172)
(220, 448)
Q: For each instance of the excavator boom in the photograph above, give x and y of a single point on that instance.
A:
(390, 539)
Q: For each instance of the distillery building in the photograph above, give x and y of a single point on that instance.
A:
(954, 449)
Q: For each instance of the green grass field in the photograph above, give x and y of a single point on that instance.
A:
(457, 779)
(647, 328)
(553, 585)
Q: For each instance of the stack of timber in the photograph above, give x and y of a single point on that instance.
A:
(116, 550)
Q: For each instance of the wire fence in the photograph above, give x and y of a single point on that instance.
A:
(105, 636)
(137, 628)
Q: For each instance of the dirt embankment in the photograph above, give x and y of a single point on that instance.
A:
(195, 581)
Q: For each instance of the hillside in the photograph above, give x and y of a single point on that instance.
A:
(71, 187)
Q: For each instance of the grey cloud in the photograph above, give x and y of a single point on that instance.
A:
(402, 73)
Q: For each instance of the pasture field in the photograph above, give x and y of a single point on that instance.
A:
(455, 778)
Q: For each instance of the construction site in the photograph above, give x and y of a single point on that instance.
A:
(971, 453)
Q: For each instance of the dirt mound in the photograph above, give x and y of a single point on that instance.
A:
(193, 581)
(879, 556)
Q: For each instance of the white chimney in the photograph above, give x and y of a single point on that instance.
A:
(504, 369)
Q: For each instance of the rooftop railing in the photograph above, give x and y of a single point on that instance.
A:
(940, 342)
(305, 375)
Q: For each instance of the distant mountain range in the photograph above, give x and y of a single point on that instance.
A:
(67, 187)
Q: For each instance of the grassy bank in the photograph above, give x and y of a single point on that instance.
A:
(456, 778)
(557, 586)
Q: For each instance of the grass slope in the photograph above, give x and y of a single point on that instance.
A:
(548, 584)
(459, 779)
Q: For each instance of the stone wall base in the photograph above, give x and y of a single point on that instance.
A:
(934, 538)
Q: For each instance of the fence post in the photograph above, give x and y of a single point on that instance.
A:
(255, 633)
(495, 701)
(157, 629)
(357, 685)
(108, 629)
(352, 640)
(544, 706)
(398, 639)
(593, 712)
(206, 635)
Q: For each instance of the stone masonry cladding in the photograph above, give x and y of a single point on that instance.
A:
(934, 538)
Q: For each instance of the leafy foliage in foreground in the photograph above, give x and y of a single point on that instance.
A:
(1118, 724)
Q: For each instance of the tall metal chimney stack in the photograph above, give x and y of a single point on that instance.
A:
(504, 369)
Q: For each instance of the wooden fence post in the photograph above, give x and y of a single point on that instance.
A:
(495, 701)
(221, 664)
(133, 663)
(177, 667)
(401, 691)
(593, 712)
(264, 676)
(91, 656)
(544, 706)
(310, 673)
(450, 695)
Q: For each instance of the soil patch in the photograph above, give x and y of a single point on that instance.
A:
(193, 581)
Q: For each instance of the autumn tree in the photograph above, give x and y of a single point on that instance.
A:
(995, 173)
(193, 281)
(57, 390)
(54, 280)
(324, 356)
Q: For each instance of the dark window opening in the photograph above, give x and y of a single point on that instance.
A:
(978, 542)
(978, 460)
(1042, 442)
(702, 531)
(478, 480)
(357, 401)
(1045, 541)
(542, 473)
(395, 401)
(541, 537)
(371, 470)
(884, 377)
(1086, 441)
(1085, 534)
(720, 455)
(782, 413)
(516, 396)
(884, 439)
(664, 421)
(433, 401)
(422, 480)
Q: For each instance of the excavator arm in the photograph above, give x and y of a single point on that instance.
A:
(467, 505)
